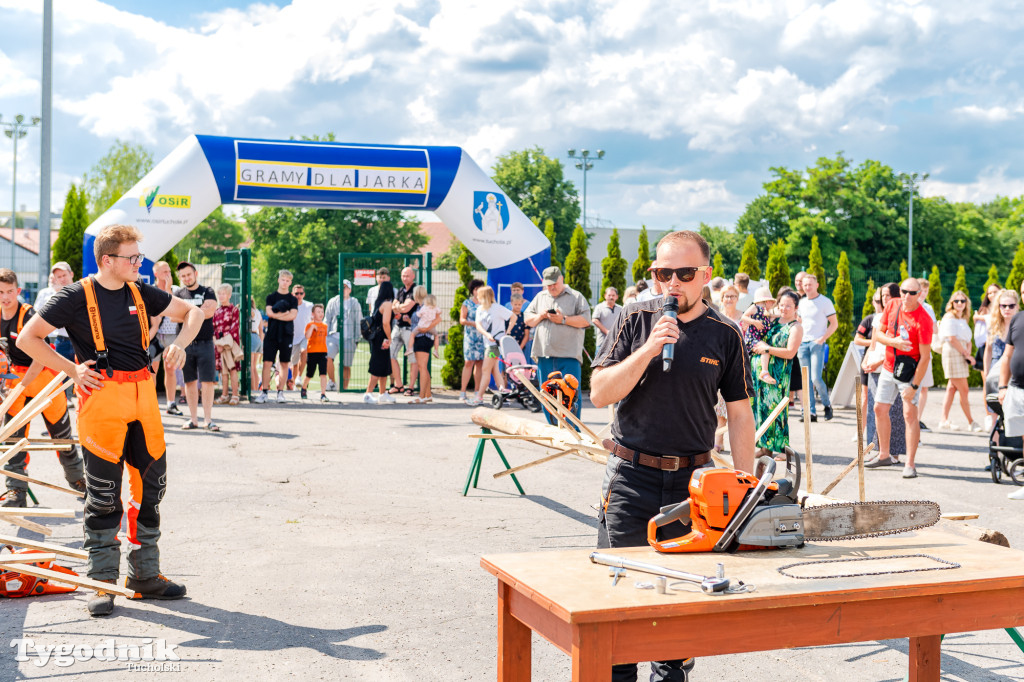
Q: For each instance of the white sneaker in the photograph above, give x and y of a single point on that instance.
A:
(909, 471)
(944, 425)
(331, 386)
(387, 398)
(280, 396)
(1017, 495)
(261, 398)
(988, 423)
(369, 398)
(975, 427)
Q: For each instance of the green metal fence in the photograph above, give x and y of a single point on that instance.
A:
(237, 271)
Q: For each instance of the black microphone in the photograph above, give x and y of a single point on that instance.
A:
(669, 308)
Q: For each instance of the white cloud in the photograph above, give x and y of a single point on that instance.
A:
(996, 114)
(673, 199)
(991, 182)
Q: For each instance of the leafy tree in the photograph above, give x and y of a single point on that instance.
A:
(960, 284)
(549, 232)
(766, 219)
(208, 240)
(613, 266)
(450, 258)
(74, 220)
(114, 174)
(869, 307)
(748, 261)
(993, 278)
(725, 243)
(171, 258)
(1016, 275)
(777, 268)
(903, 270)
(451, 372)
(306, 242)
(842, 296)
(577, 276)
(814, 263)
(717, 270)
(643, 256)
(535, 182)
(936, 300)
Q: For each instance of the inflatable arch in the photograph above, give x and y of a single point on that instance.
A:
(204, 172)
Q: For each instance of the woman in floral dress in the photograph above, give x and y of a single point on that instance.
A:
(780, 344)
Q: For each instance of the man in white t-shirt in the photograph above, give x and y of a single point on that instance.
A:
(304, 317)
(818, 318)
(606, 314)
(742, 282)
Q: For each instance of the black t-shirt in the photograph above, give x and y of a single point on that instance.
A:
(122, 332)
(1015, 337)
(866, 327)
(673, 413)
(9, 331)
(196, 297)
(283, 332)
(404, 295)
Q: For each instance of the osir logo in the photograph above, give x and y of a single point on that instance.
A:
(151, 197)
(490, 212)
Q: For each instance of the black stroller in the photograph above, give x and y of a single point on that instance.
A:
(1005, 454)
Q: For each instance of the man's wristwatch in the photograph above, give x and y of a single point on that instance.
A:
(914, 386)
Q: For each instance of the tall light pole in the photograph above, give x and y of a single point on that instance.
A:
(910, 185)
(585, 162)
(16, 130)
(45, 157)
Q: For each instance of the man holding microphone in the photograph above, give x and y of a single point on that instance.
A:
(665, 421)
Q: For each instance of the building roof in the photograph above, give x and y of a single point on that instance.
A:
(26, 239)
(440, 238)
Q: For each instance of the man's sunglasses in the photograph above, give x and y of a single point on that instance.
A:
(664, 275)
(909, 292)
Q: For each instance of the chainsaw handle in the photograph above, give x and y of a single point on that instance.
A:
(672, 513)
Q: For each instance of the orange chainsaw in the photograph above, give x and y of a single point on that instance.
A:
(731, 510)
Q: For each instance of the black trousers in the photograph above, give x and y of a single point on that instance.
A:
(631, 495)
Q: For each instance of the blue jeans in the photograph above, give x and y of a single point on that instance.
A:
(546, 366)
(64, 349)
(812, 356)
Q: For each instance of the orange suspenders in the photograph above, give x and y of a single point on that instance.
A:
(93, 309)
(24, 308)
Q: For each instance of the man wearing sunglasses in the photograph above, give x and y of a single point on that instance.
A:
(906, 330)
(665, 421)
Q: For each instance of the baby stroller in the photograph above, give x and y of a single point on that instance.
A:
(513, 359)
(1005, 454)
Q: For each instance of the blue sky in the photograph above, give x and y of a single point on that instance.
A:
(693, 101)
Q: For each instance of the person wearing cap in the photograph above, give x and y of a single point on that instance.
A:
(755, 322)
(61, 275)
(559, 317)
(350, 326)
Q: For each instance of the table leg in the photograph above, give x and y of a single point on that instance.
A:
(592, 653)
(925, 657)
(513, 641)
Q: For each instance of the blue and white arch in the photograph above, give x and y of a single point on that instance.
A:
(205, 171)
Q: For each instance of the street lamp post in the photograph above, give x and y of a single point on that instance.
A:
(584, 162)
(16, 130)
(910, 185)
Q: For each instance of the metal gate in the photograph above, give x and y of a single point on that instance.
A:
(348, 265)
(237, 271)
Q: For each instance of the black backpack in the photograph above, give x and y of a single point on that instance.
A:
(369, 327)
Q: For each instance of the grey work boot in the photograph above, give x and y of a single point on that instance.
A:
(15, 497)
(155, 588)
(102, 604)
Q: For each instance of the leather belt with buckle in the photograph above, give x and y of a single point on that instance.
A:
(654, 461)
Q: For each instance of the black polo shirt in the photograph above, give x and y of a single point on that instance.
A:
(673, 413)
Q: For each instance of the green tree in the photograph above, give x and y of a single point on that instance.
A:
(935, 300)
(208, 240)
(777, 268)
(868, 308)
(748, 261)
(766, 219)
(993, 278)
(549, 232)
(960, 284)
(729, 245)
(451, 372)
(904, 275)
(450, 258)
(643, 256)
(815, 266)
(842, 296)
(114, 174)
(577, 276)
(1016, 275)
(613, 266)
(306, 241)
(74, 220)
(535, 182)
(717, 270)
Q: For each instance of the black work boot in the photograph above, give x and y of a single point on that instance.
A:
(155, 588)
(102, 604)
(15, 497)
(78, 485)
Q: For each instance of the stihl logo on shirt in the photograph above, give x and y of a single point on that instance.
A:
(133, 310)
(709, 361)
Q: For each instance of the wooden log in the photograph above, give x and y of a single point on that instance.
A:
(43, 546)
(504, 422)
(559, 408)
(848, 469)
(76, 580)
(11, 452)
(27, 558)
(28, 525)
(29, 479)
(37, 511)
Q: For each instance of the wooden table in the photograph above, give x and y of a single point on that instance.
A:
(571, 602)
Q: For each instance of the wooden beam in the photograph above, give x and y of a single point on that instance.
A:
(28, 525)
(513, 470)
(27, 558)
(958, 516)
(11, 397)
(14, 450)
(807, 390)
(33, 407)
(29, 479)
(76, 580)
(36, 511)
(767, 423)
(860, 441)
(516, 436)
(848, 469)
(43, 546)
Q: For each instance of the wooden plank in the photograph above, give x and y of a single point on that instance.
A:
(521, 467)
(27, 558)
(514, 646)
(767, 423)
(31, 409)
(77, 581)
(45, 441)
(808, 457)
(28, 525)
(13, 451)
(29, 479)
(925, 656)
(516, 436)
(848, 469)
(958, 516)
(44, 547)
(11, 397)
(860, 442)
(37, 511)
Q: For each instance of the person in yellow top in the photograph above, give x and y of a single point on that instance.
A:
(316, 352)
(13, 318)
(107, 318)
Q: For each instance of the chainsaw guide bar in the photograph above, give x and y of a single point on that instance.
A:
(856, 520)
